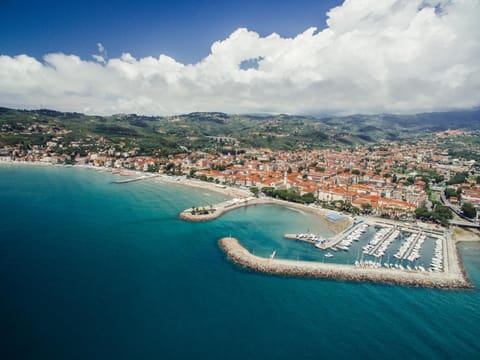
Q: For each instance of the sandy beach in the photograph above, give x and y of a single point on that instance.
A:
(219, 209)
(466, 235)
(225, 190)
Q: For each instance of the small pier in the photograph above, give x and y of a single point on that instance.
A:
(334, 241)
(143, 177)
(383, 242)
(308, 238)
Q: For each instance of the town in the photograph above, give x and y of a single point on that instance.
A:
(394, 179)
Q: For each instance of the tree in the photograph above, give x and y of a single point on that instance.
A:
(442, 214)
(459, 192)
(449, 192)
(366, 208)
(254, 191)
(410, 180)
(469, 210)
(308, 198)
(422, 213)
(458, 178)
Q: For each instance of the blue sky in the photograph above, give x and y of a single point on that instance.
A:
(297, 57)
(183, 30)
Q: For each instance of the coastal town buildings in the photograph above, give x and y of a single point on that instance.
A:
(387, 178)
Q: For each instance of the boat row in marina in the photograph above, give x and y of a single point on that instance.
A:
(368, 264)
(405, 246)
(353, 236)
(436, 264)
(401, 267)
(311, 238)
(415, 253)
(376, 240)
(379, 249)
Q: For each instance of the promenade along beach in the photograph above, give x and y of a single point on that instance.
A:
(361, 249)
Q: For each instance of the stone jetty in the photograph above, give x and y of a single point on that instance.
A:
(241, 256)
(208, 213)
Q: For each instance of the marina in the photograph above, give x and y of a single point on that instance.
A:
(377, 244)
(366, 271)
(364, 243)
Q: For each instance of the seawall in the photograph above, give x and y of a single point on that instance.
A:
(241, 256)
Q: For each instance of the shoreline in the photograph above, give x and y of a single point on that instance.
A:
(227, 191)
(219, 210)
(162, 178)
(467, 236)
(454, 278)
(309, 269)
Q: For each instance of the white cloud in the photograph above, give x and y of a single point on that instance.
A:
(374, 56)
(101, 57)
(100, 47)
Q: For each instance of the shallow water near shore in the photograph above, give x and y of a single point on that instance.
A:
(91, 269)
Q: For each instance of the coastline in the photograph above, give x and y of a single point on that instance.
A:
(455, 277)
(181, 180)
(463, 235)
(218, 210)
(309, 269)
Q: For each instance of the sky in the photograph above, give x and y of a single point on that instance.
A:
(299, 57)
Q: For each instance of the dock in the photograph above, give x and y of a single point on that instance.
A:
(308, 238)
(332, 242)
(140, 178)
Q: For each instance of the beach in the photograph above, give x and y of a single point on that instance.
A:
(217, 210)
(466, 235)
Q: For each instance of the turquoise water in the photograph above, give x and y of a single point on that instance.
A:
(94, 270)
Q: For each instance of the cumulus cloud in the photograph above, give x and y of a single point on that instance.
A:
(398, 56)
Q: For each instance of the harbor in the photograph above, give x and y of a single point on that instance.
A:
(360, 249)
(275, 266)
(375, 243)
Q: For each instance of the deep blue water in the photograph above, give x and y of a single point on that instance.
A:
(95, 270)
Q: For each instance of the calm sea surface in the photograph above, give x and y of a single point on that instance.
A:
(95, 270)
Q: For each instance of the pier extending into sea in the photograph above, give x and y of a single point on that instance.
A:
(139, 178)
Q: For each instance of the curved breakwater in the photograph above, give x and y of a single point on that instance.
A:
(241, 256)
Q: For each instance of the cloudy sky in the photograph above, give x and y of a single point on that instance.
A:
(298, 57)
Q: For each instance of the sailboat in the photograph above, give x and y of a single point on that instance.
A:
(273, 254)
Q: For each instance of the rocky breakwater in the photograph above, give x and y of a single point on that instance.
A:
(241, 256)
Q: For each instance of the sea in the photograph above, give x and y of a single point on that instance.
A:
(90, 269)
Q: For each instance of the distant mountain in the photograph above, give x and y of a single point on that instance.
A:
(194, 130)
